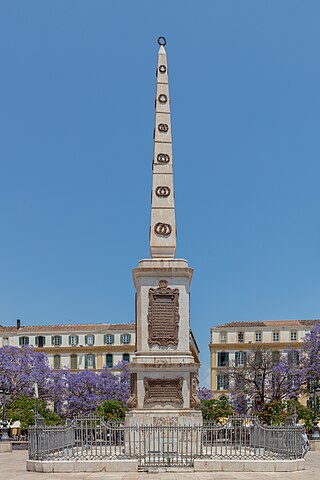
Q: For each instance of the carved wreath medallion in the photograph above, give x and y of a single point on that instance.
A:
(162, 191)
(163, 158)
(163, 229)
(163, 127)
(163, 315)
(162, 69)
(163, 98)
(163, 390)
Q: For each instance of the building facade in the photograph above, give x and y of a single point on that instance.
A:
(79, 346)
(75, 346)
(230, 342)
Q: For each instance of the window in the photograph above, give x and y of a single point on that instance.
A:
(125, 338)
(276, 336)
(90, 361)
(109, 360)
(240, 337)
(23, 341)
(56, 340)
(223, 359)
(258, 336)
(73, 340)
(56, 361)
(276, 357)
(89, 339)
(109, 339)
(5, 342)
(294, 357)
(222, 382)
(73, 362)
(258, 358)
(293, 336)
(241, 359)
(126, 357)
(223, 337)
(40, 341)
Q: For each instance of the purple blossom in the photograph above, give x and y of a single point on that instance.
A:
(204, 393)
(20, 368)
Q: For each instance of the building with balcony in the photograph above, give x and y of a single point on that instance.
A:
(230, 342)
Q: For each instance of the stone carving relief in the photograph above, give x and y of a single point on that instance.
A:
(163, 98)
(162, 69)
(162, 191)
(194, 400)
(163, 229)
(132, 400)
(165, 422)
(163, 390)
(163, 127)
(163, 158)
(163, 315)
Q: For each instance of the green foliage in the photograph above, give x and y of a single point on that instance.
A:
(275, 413)
(305, 414)
(216, 410)
(112, 410)
(23, 409)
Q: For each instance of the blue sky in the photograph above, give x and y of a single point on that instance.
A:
(76, 122)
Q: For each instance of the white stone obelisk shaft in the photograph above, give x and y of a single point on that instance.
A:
(163, 223)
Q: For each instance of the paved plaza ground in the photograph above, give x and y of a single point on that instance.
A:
(12, 467)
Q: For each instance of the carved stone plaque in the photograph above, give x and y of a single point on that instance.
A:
(163, 390)
(163, 315)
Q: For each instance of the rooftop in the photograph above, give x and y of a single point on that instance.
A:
(269, 323)
(71, 327)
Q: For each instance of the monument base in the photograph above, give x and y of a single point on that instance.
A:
(163, 418)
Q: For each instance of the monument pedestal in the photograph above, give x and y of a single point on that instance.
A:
(163, 370)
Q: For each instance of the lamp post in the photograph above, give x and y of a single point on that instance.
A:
(5, 429)
(315, 429)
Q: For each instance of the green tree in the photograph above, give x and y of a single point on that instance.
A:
(112, 410)
(216, 410)
(23, 409)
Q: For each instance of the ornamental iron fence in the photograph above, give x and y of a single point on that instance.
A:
(91, 438)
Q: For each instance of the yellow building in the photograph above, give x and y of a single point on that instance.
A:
(79, 346)
(230, 341)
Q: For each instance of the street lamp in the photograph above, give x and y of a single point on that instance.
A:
(5, 429)
(315, 429)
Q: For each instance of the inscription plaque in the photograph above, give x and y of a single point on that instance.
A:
(163, 315)
(163, 390)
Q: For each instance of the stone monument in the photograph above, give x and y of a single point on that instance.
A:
(163, 370)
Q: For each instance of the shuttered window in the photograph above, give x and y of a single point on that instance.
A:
(223, 359)
(40, 341)
(109, 360)
(56, 340)
(241, 359)
(125, 338)
(73, 362)
(89, 339)
(56, 361)
(73, 340)
(90, 361)
(23, 341)
(109, 339)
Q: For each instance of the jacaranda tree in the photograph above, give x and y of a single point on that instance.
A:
(21, 368)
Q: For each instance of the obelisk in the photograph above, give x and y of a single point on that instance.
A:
(163, 370)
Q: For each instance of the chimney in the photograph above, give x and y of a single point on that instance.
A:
(18, 324)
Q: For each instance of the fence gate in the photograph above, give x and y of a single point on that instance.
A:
(162, 446)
